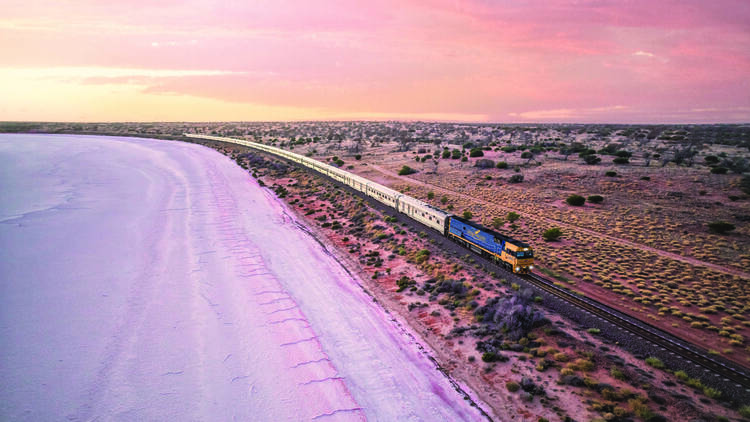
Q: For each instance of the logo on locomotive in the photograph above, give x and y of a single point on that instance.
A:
(478, 235)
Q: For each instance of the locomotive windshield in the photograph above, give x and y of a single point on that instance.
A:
(525, 254)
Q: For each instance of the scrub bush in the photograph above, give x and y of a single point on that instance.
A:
(406, 170)
(711, 393)
(655, 362)
(512, 386)
(476, 152)
(575, 200)
(552, 234)
(721, 227)
(592, 159)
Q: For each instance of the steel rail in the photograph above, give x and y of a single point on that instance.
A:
(643, 330)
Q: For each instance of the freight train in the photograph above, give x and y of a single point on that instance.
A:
(513, 254)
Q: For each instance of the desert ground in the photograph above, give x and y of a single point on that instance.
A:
(650, 247)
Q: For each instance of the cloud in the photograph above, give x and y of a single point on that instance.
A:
(157, 44)
(643, 53)
(569, 114)
(84, 72)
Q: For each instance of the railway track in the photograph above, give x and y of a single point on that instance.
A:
(649, 333)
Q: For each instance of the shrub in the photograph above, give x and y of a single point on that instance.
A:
(721, 227)
(463, 159)
(516, 178)
(491, 357)
(467, 215)
(430, 195)
(594, 331)
(719, 170)
(646, 178)
(681, 375)
(640, 409)
(476, 152)
(502, 165)
(513, 315)
(404, 282)
(611, 174)
(595, 199)
(623, 154)
(711, 159)
(550, 235)
(526, 154)
(497, 222)
(584, 365)
(561, 357)
(745, 411)
(484, 163)
(406, 170)
(575, 200)
(455, 154)
(512, 216)
(745, 184)
(711, 393)
(512, 386)
(655, 362)
(358, 157)
(422, 256)
(694, 382)
(617, 374)
(592, 159)
(621, 160)
(444, 199)
(446, 154)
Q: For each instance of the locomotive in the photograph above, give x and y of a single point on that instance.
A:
(513, 254)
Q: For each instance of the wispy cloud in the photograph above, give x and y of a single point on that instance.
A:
(568, 114)
(83, 72)
(643, 53)
(157, 44)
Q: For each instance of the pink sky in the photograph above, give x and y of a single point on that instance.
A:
(480, 60)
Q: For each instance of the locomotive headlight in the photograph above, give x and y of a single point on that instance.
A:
(518, 268)
(531, 267)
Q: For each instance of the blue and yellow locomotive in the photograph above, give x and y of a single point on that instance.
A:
(515, 255)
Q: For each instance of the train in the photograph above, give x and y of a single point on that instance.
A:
(514, 255)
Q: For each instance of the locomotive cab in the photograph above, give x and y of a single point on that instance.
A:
(519, 256)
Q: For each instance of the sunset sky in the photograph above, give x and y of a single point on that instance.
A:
(631, 61)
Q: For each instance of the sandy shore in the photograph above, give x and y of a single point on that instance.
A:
(152, 280)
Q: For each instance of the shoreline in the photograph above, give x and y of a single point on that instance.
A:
(407, 325)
